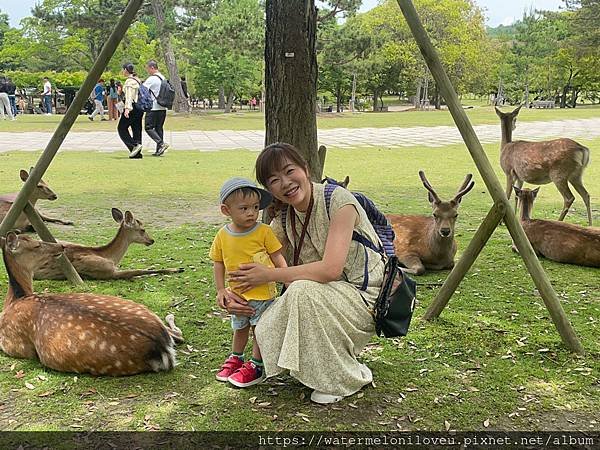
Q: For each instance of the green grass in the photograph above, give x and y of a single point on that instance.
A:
(254, 120)
(484, 359)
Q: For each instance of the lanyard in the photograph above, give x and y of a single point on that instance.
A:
(304, 228)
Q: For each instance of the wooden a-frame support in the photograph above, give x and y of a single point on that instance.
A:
(21, 203)
(501, 208)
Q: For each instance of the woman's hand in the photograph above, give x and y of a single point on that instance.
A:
(250, 275)
(126, 113)
(235, 304)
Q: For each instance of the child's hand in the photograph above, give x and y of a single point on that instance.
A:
(221, 295)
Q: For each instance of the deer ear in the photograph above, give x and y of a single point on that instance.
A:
(516, 111)
(129, 218)
(517, 190)
(535, 192)
(498, 112)
(24, 175)
(346, 181)
(117, 215)
(12, 241)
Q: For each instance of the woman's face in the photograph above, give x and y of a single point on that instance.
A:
(291, 185)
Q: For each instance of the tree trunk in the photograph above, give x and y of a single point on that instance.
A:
(291, 78)
(229, 104)
(338, 96)
(221, 97)
(181, 103)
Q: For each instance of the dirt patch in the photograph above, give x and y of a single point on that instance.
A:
(158, 214)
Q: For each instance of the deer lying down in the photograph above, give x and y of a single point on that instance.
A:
(42, 191)
(560, 161)
(102, 262)
(427, 242)
(558, 241)
(83, 333)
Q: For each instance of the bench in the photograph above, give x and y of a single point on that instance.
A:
(543, 104)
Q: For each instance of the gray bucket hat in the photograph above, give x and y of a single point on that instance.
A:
(237, 183)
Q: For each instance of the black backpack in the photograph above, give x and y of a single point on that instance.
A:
(166, 94)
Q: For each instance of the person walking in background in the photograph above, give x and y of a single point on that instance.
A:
(11, 90)
(111, 100)
(47, 96)
(5, 109)
(98, 97)
(155, 119)
(132, 116)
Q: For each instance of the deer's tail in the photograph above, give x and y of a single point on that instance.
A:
(584, 155)
(161, 356)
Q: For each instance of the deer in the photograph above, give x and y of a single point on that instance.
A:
(555, 240)
(560, 161)
(77, 332)
(427, 242)
(41, 191)
(102, 262)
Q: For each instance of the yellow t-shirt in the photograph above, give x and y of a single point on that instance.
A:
(255, 245)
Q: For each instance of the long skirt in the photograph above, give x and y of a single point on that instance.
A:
(315, 331)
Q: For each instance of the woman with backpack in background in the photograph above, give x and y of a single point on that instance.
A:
(132, 115)
(111, 100)
(323, 320)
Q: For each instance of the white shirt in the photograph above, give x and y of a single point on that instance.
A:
(153, 84)
(47, 88)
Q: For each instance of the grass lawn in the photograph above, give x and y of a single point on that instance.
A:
(254, 120)
(494, 355)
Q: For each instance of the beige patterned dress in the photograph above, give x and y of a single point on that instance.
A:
(316, 330)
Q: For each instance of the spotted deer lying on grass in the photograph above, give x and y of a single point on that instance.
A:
(42, 191)
(558, 241)
(560, 161)
(83, 333)
(102, 262)
(427, 242)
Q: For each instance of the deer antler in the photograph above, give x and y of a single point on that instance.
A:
(427, 185)
(465, 188)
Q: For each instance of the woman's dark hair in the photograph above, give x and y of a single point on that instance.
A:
(274, 157)
(129, 68)
(112, 83)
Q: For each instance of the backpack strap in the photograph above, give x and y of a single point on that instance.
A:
(366, 242)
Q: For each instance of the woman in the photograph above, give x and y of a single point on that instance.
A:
(322, 321)
(132, 116)
(111, 100)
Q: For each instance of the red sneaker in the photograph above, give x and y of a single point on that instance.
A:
(247, 375)
(231, 365)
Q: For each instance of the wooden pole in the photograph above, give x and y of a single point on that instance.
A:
(69, 118)
(41, 229)
(485, 230)
(491, 181)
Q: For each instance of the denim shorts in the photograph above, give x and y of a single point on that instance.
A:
(239, 322)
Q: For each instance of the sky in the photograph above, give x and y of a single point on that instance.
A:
(497, 11)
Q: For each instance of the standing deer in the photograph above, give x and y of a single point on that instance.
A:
(41, 191)
(427, 242)
(558, 241)
(102, 262)
(560, 161)
(83, 333)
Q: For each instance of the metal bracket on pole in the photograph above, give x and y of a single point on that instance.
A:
(533, 265)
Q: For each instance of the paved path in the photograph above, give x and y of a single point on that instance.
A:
(392, 137)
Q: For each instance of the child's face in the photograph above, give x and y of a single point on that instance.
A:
(243, 210)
